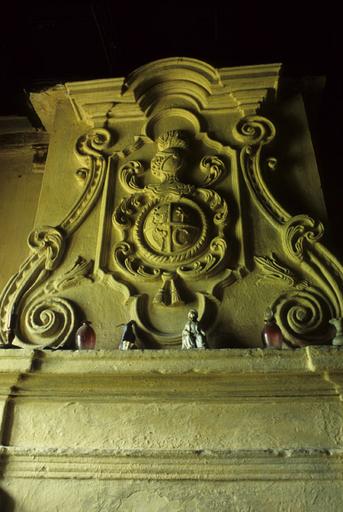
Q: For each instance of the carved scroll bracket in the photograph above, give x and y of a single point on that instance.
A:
(300, 236)
(311, 308)
(49, 320)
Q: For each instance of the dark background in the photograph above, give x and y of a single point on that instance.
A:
(44, 43)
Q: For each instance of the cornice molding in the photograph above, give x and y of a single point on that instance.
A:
(241, 89)
(237, 363)
(209, 465)
(45, 103)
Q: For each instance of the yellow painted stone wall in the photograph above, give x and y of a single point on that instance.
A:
(214, 154)
(19, 193)
(172, 430)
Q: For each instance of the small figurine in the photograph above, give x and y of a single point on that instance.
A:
(128, 338)
(192, 335)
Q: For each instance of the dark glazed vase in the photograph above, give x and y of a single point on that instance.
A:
(271, 333)
(85, 337)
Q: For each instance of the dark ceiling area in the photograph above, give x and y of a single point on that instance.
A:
(44, 43)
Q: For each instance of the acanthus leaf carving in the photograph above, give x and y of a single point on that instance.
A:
(301, 230)
(217, 204)
(129, 176)
(214, 168)
(125, 257)
(209, 264)
(170, 223)
(273, 269)
(81, 270)
(49, 242)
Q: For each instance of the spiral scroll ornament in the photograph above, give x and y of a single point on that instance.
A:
(128, 207)
(303, 315)
(94, 142)
(254, 130)
(214, 169)
(91, 148)
(300, 236)
(46, 322)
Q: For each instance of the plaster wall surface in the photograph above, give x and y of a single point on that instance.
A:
(19, 193)
(171, 496)
(172, 431)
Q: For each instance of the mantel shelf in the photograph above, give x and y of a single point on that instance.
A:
(307, 360)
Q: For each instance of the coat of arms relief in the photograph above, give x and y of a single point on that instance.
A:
(171, 220)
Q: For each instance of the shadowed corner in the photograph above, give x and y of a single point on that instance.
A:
(6, 502)
(6, 427)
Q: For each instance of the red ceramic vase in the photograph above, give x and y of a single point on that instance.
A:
(272, 335)
(85, 337)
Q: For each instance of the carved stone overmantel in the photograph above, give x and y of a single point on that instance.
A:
(157, 199)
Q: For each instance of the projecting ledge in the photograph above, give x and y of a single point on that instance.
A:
(311, 359)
